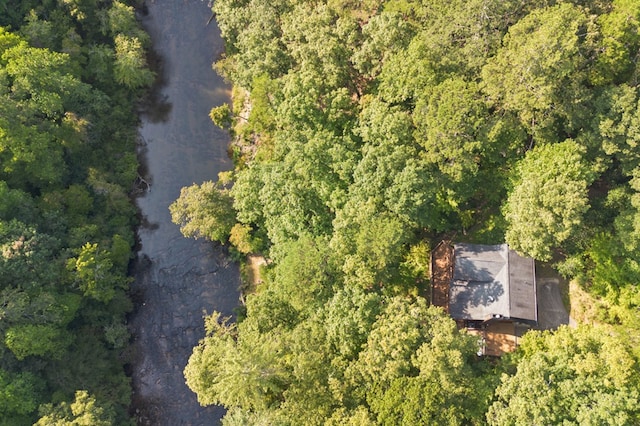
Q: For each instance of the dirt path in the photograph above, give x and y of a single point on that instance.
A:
(178, 279)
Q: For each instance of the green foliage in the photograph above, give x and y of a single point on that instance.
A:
(240, 237)
(120, 253)
(395, 336)
(27, 257)
(253, 36)
(389, 173)
(270, 310)
(372, 130)
(262, 114)
(348, 317)
(291, 207)
(238, 417)
(100, 63)
(19, 393)
(611, 266)
(317, 40)
(548, 199)
(36, 76)
(95, 274)
(378, 247)
(89, 364)
(39, 32)
(37, 90)
(350, 355)
(130, 65)
(67, 155)
(383, 35)
(246, 195)
(583, 376)
(221, 116)
(117, 335)
(360, 416)
(619, 40)
(617, 124)
(305, 274)
(224, 370)
(120, 19)
(449, 128)
(33, 339)
(83, 411)
(538, 72)
(204, 211)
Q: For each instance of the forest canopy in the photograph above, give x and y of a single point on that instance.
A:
(70, 75)
(365, 132)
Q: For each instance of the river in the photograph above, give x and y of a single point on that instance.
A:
(177, 279)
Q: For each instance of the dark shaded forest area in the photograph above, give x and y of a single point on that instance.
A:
(367, 131)
(71, 73)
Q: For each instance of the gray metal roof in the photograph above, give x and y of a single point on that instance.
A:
(492, 281)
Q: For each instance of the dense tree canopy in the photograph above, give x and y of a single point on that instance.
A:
(204, 211)
(353, 353)
(583, 377)
(67, 164)
(364, 132)
(548, 200)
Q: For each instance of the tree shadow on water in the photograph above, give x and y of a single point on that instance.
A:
(155, 107)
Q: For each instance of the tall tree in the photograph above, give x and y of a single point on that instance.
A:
(20, 393)
(548, 199)
(204, 211)
(538, 72)
(130, 65)
(85, 410)
(236, 370)
(583, 376)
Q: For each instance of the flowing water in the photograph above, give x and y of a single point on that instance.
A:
(177, 280)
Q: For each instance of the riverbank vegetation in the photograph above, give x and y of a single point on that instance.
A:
(374, 128)
(70, 74)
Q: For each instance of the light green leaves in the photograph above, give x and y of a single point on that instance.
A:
(130, 66)
(37, 339)
(204, 211)
(548, 200)
(85, 410)
(537, 72)
(582, 376)
(95, 273)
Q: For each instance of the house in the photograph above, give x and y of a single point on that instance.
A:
(488, 289)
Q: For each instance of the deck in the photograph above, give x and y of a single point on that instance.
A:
(498, 338)
(441, 274)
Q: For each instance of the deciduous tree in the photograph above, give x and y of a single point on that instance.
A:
(538, 72)
(580, 376)
(204, 211)
(548, 199)
(85, 410)
(130, 65)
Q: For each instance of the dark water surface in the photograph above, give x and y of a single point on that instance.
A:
(178, 279)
